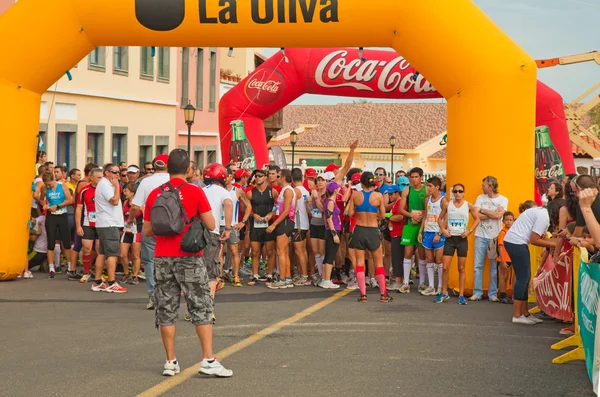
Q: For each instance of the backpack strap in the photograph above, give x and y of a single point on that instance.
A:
(176, 189)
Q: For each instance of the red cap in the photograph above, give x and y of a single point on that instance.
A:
(161, 161)
(311, 173)
(355, 177)
(241, 173)
(332, 167)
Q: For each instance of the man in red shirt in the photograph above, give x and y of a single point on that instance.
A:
(177, 270)
(396, 226)
(309, 179)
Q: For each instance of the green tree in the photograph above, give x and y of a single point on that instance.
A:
(595, 116)
(362, 101)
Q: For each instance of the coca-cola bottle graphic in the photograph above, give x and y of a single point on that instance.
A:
(240, 151)
(548, 165)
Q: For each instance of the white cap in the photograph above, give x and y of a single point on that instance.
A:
(328, 176)
(133, 169)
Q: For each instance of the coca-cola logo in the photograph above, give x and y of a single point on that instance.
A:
(335, 71)
(554, 172)
(264, 87)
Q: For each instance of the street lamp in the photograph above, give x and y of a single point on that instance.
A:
(293, 137)
(189, 112)
(392, 144)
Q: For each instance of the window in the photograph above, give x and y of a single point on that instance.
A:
(121, 60)
(162, 144)
(145, 144)
(199, 158)
(185, 72)
(65, 149)
(95, 148)
(164, 63)
(147, 63)
(119, 148)
(200, 79)
(212, 94)
(97, 59)
(211, 156)
(160, 149)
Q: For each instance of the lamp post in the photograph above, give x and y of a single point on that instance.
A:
(189, 112)
(392, 144)
(293, 137)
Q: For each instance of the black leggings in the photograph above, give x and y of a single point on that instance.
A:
(58, 224)
(397, 257)
(331, 248)
(521, 263)
(37, 259)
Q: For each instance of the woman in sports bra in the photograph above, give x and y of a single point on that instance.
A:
(454, 222)
(369, 208)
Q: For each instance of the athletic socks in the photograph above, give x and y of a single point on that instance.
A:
(422, 271)
(360, 277)
(407, 266)
(430, 274)
(87, 263)
(319, 262)
(440, 271)
(57, 255)
(380, 274)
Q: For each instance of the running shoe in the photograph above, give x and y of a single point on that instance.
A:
(362, 299)
(187, 317)
(474, 298)
(315, 279)
(268, 282)
(220, 284)
(429, 291)
(262, 277)
(171, 368)
(289, 283)
(393, 286)
(506, 300)
(277, 285)
(385, 299)
(73, 276)
(302, 281)
(126, 278)
(51, 273)
(142, 275)
(534, 319)
(352, 285)
(522, 320)
(27, 274)
(374, 283)
(422, 287)
(328, 284)
(462, 300)
(494, 299)
(567, 330)
(236, 282)
(115, 288)
(104, 277)
(214, 319)
(253, 281)
(58, 269)
(227, 277)
(345, 279)
(150, 305)
(99, 287)
(85, 278)
(441, 298)
(134, 280)
(214, 367)
(404, 289)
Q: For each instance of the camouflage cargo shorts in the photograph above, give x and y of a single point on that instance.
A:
(176, 274)
(211, 255)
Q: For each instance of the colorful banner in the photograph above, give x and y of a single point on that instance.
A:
(548, 163)
(552, 287)
(589, 292)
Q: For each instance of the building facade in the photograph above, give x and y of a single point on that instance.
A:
(198, 84)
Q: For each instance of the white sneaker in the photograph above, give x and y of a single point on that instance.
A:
(352, 285)
(394, 286)
(522, 320)
(27, 274)
(404, 289)
(374, 283)
(171, 369)
(429, 291)
(328, 284)
(215, 368)
(422, 288)
(534, 319)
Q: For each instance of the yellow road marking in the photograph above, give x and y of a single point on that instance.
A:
(186, 374)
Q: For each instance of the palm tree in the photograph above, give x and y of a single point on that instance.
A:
(361, 101)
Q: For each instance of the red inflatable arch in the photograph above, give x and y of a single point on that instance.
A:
(379, 74)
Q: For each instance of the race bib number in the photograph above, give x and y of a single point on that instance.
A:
(92, 217)
(316, 213)
(222, 221)
(431, 218)
(261, 224)
(457, 225)
(131, 229)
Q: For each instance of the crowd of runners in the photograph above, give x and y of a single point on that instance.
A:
(281, 228)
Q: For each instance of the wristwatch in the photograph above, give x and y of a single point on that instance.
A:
(227, 228)
(439, 234)
(244, 220)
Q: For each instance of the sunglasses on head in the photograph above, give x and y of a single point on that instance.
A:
(457, 191)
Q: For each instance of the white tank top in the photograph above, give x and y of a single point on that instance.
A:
(458, 218)
(434, 209)
(236, 208)
(33, 188)
(302, 222)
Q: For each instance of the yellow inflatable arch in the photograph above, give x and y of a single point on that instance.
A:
(488, 80)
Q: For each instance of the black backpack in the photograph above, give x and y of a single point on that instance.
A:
(167, 214)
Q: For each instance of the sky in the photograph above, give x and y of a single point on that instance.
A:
(545, 29)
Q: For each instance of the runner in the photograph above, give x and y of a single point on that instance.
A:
(454, 224)
(367, 205)
(431, 237)
(317, 228)
(239, 219)
(333, 226)
(282, 228)
(85, 221)
(262, 199)
(179, 271)
(303, 207)
(396, 225)
(413, 199)
(131, 238)
(59, 197)
(78, 245)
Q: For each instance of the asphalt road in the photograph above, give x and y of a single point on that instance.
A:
(60, 339)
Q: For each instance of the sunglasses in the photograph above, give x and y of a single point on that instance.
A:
(114, 172)
(575, 182)
(123, 175)
(458, 191)
(379, 174)
(259, 176)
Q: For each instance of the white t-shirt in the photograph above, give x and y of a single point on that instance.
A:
(490, 228)
(107, 215)
(302, 221)
(534, 220)
(41, 243)
(216, 196)
(147, 185)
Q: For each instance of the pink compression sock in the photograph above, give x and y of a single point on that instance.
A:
(380, 274)
(360, 277)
